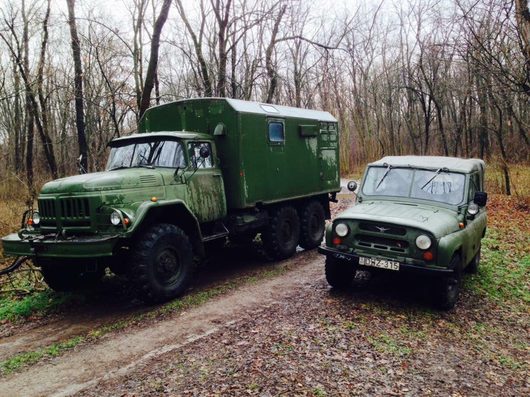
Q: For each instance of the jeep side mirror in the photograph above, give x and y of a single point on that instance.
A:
(352, 186)
(480, 198)
(204, 152)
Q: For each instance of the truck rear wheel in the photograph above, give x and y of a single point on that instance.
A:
(339, 274)
(69, 275)
(162, 263)
(281, 236)
(312, 225)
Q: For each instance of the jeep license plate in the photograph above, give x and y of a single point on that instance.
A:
(380, 263)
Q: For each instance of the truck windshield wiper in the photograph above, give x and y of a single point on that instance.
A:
(434, 176)
(384, 176)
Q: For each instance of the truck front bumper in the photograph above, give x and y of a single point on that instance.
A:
(51, 246)
(403, 267)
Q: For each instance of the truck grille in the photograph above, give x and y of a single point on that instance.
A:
(381, 243)
(71, 211)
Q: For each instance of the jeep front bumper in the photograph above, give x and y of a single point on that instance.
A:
(403, 267)
(52, 246)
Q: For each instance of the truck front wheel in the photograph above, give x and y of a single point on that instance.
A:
(281, 236)
(68, 275)
(162, 263)
(339, 274)
(312, 225)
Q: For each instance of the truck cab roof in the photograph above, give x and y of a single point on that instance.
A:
(432, 162)
(164, 135)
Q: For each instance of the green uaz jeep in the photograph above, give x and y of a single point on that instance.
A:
(418, 214)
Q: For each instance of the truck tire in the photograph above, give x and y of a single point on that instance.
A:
(339, 274)
(282, 234)
(162, 263)
(312, 225)
(447, 289)
(63, 275)
(474, 264)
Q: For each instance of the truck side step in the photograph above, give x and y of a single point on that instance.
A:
(219, 231)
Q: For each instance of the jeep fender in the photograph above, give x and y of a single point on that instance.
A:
(171, 211)
(447, 246)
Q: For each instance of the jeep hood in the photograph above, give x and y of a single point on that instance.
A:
(436, 220)
(109, 180)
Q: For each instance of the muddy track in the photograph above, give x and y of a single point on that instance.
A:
(117, 354)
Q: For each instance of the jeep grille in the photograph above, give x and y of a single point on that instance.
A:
(383, 228)
(382, 243)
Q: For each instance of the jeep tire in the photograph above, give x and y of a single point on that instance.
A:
(339, 274)
(282, 234)
(312, 224)
(64, 275)
(447, 289)
(162, 263)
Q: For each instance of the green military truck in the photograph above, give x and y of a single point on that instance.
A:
(413, 214)
(200, 171)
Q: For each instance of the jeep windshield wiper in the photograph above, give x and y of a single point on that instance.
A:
(121, 167)
(384, 176)
(434, 176)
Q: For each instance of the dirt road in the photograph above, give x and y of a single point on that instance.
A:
(121, 353)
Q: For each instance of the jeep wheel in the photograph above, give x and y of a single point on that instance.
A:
(281, 236)
(447, 289)
(69, 275)
(474, 264)
(162, 263)
(312, 224)
(339, 274)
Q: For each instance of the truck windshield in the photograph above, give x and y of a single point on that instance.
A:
(156, 153)
(436, 185)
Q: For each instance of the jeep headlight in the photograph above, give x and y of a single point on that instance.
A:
(115, 218)
(341, 229)
(423, 242)
(36, 218)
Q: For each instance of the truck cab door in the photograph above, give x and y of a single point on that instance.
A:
(205, 187)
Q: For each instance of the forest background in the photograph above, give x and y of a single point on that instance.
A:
(417, 77)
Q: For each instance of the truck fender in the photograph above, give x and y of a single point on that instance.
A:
(175, 212)
(448, 246)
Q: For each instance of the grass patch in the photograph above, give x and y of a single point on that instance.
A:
(27, 358)
(384, 343)
(43, 302)
(503, 274)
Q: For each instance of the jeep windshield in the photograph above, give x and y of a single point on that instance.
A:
(435, 185)
(146, 153)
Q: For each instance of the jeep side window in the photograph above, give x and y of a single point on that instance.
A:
(474, 186)
(276, 132)
(194, 150)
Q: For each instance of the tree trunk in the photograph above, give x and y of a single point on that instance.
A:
(153, 58)
(78, 82)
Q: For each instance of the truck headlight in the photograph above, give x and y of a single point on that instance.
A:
(423, 242)
(36, 218)
(341, 229)
(115, 218)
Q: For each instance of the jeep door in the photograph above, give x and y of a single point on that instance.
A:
(475, 224)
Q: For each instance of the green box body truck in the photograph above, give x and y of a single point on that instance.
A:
(198, 172)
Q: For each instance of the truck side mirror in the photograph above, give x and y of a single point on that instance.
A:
(204, 152)
(352, 186)
(480, 198)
